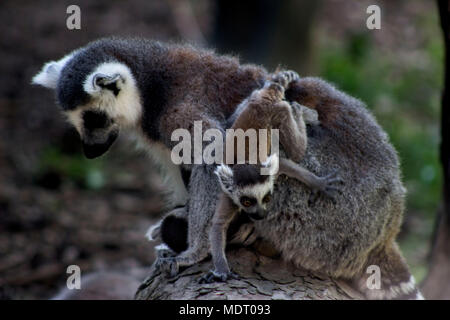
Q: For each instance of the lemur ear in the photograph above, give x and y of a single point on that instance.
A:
(271, 165)
(49, 75)
(109, 82)
(108, 77)
(225, 175)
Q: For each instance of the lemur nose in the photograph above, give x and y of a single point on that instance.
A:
(258, 215)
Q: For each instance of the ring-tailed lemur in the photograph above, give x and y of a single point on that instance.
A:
(153, 88)
(148, 89)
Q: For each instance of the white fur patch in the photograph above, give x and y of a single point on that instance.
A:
(126, 107)
(271, 165)
(258, 190)
(149, 233)
(49, 75)
(225, 174)
(177, 194)
(403, 288)
(74, 118)
(162, 246)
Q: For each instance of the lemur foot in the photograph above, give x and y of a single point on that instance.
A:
(284, 78)
(272, 92)
(167, 266)
(215, 276)
(326, 187)
(164, 252)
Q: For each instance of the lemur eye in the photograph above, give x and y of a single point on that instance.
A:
(267, 198)
(247, 202)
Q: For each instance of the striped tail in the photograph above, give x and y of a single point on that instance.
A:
(387, 277)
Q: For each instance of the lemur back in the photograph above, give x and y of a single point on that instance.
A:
(342, 239)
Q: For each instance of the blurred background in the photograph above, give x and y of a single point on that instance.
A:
(57, 208)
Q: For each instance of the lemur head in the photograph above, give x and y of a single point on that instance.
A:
(97, 93)
(247, 187)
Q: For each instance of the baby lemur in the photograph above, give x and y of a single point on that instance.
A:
(245, 188)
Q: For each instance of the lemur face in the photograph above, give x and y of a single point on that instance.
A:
(98, 103)
(253, 202)
(248, 189)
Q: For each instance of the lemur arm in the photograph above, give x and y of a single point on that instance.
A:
(323, 184)
(225, 212)
(202, 194)
(292, 130)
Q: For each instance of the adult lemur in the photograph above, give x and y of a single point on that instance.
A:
(153, 88)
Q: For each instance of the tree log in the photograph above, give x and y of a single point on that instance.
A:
(260, 278)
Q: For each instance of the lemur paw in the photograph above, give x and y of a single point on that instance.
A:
(284, 78)
(165, 252)
(272, 92)
(327, 187)
(215, 276)
(168, 266)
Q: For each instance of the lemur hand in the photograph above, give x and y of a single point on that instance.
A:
(326, 186)
(168, 266)
(284, 78)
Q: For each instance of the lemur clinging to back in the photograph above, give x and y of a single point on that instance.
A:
(152, 88)
(245, 188)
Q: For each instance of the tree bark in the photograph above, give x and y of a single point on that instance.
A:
(437, 283)
(260, 277)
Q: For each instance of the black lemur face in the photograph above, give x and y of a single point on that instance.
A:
(254, 207)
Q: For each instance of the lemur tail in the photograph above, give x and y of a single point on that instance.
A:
(154, 232)
(171, 230)
(387, 277)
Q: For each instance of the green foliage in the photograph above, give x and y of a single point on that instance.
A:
(402, 87)
(403, 90)
(72, 167)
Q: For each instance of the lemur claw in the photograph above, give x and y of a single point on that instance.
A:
(165, 253)
(168, 266)
(284, 78)
(214, 276)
